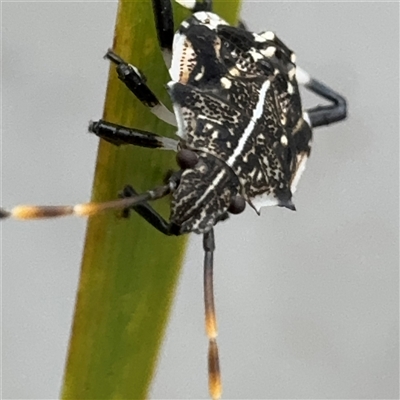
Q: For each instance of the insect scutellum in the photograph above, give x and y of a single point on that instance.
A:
(243, 135)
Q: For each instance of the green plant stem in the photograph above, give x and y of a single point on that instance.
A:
(129, 270)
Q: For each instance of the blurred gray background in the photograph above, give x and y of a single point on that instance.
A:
(307, 302)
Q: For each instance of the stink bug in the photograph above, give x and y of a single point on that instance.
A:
(243, 135)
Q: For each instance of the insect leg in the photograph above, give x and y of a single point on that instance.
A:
(322, 115)
(135, 81)
(147, 212)
(214, 373)
(118, 134)
(25, 212)
(164, 19)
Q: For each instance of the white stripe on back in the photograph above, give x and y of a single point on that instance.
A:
(257, 113)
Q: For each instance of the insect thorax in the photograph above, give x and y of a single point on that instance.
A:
(236, 98)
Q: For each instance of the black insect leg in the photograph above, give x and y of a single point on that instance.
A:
(117, 134)
(325, 115)
(322, 115)
(164, 19)
(214, 373)
(135, 81)
(128, 200)
(147, 212)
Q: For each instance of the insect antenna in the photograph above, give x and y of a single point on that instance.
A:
(26, 212)
(214, 372)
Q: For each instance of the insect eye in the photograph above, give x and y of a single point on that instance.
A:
(237, 205)
(186, 158)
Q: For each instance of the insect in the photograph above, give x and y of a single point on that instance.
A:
(243, 135)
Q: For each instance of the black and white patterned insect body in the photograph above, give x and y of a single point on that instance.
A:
(236, 98)
(243, 134)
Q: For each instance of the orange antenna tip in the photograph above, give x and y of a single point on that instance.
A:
(214, 373)
(38, 212)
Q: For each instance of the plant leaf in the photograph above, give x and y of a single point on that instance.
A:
(129, 270)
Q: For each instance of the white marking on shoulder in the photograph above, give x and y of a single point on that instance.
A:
(190, 4)
(258, 38)
(290, 88)
(257, 113)
(284, 140)
(269, 51)
(293, 58)
(209, 19)
(268, 35)
(302, 76)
